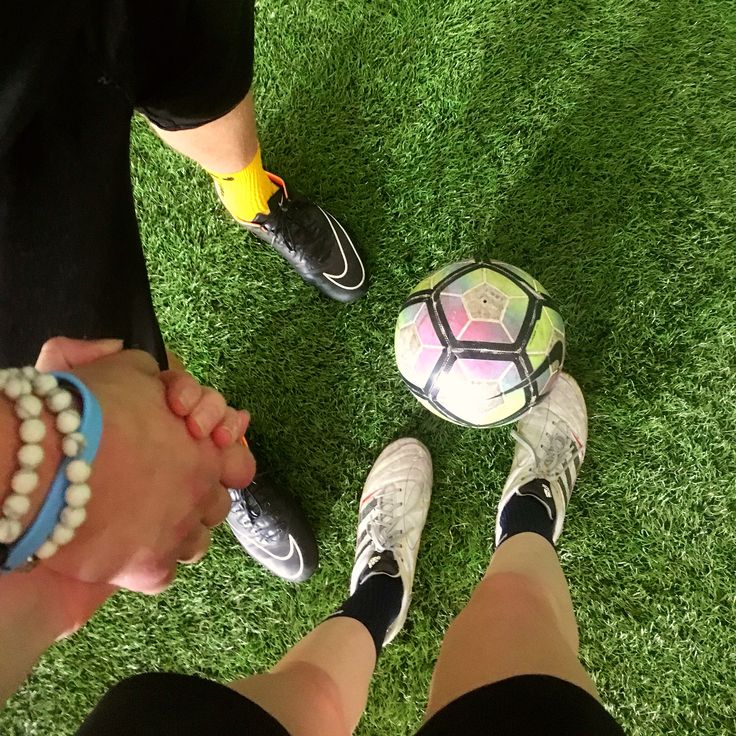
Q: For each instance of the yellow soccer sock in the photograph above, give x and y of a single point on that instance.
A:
(246, 192)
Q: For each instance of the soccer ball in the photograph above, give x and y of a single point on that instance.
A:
(479, 343)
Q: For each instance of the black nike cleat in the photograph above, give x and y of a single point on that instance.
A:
(313, 242)
(271, 527)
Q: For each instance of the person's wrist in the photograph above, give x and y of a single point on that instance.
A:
(39, 608)
(29, 609)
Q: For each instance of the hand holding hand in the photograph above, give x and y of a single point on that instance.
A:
(156, 489)
(203, 408)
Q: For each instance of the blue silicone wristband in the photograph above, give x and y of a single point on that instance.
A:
(23, 549)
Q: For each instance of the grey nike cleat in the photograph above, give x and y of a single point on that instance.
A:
(271, 527)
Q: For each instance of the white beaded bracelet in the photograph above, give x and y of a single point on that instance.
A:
(30, 390)
(74, 513)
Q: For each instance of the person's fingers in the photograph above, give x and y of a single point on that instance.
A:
(182, 391)
(207, 414)
(195, 546)
(238, 466)
(64, 353)
(231, 428)
(244, 417)
(216, 506)
(175, 362)
(224, 434)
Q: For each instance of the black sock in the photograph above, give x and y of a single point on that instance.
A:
(376, 604)
(529, 510)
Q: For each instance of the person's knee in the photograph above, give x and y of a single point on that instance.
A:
(515, 597)
(321, 694)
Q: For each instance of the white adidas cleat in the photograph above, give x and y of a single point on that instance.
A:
(550, 445)
(393, 509)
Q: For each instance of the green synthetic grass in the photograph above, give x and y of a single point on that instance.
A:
(591, 143)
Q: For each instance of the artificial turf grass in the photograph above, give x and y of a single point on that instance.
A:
(591, 144)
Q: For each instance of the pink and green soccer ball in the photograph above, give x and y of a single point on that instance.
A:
(479, 343)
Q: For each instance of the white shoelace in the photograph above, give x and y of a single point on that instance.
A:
(554, 457)
(385, 528)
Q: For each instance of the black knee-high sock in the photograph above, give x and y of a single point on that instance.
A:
(376, 601)
(529, 510)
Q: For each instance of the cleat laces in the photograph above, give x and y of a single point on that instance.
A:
(385, 529)
(291, 234)
(248, 511)
(556, 452)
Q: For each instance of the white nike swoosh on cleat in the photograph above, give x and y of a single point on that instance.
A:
(335, 278)
(292, 546)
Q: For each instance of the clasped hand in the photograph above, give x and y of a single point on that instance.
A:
(170, 449)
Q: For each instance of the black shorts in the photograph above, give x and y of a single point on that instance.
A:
(179, 705)
(71, 75)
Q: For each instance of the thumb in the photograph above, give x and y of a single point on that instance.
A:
(65, 353)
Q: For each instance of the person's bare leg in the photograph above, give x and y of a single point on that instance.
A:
(518, 621)
(320, 250)
(227, 144)
(320, 687)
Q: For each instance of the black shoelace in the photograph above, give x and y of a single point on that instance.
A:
(293, 235)
(249, 511)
